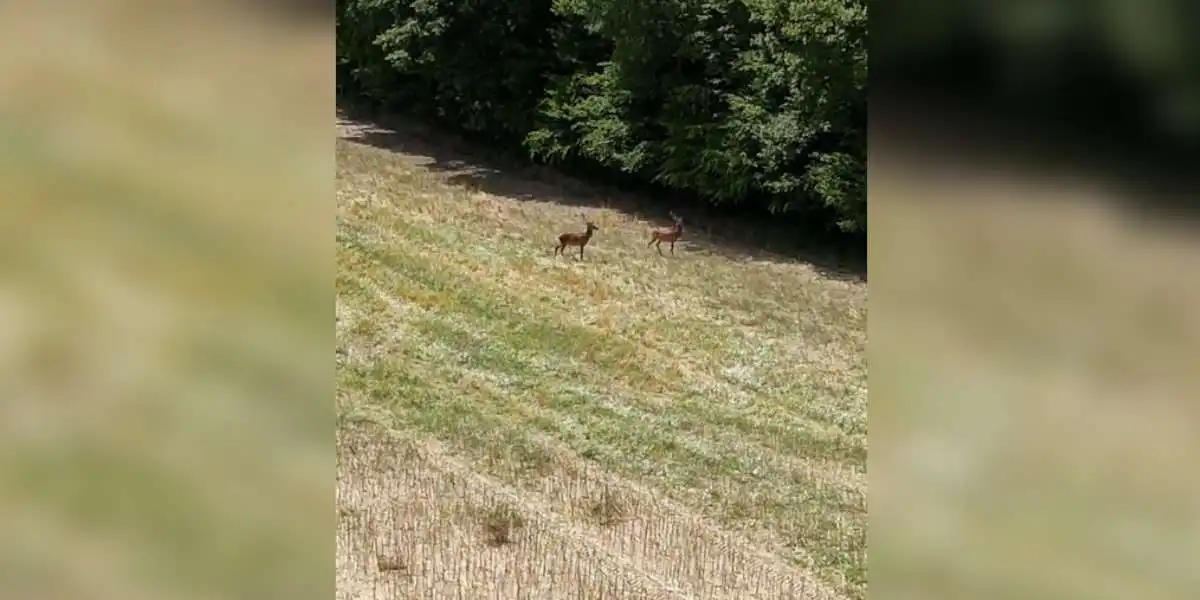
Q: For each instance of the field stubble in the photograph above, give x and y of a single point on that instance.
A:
(515, 425)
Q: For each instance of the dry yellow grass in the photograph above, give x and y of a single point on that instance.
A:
(668, 427)
(416, 522)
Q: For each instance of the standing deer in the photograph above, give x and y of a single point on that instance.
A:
(576, 239)
(667, 234)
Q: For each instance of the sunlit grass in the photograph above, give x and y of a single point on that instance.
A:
(733, 389)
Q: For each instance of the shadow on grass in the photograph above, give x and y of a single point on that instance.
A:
(709, 230)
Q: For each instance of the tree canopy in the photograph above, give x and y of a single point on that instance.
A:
(758, 103)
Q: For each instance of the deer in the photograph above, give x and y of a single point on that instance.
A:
(576, 239)
(667, 234)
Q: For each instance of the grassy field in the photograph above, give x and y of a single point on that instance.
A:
(628, 425)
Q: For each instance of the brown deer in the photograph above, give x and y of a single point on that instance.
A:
(576, 239)
(667, 234)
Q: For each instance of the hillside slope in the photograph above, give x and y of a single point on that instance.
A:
(687, 426)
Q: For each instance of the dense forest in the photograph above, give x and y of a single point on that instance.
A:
(759, 104)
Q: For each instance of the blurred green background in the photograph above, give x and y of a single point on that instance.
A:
(166, 416)
(1034, 340)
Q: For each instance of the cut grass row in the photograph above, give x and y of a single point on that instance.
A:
(749, 408)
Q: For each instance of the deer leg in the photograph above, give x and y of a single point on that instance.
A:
(672, 247)
(581, 252)
(659, 246)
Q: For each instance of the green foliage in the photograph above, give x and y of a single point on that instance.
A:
(749, 102)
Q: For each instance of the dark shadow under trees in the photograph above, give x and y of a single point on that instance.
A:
(733, 232)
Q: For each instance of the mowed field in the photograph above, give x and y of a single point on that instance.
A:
(518, 425)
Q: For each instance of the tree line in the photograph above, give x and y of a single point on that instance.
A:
(750, 103)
